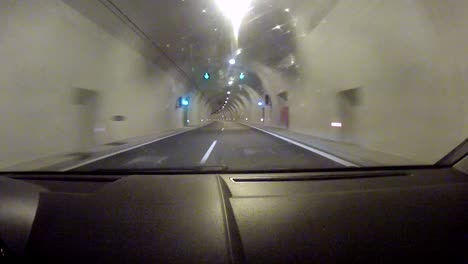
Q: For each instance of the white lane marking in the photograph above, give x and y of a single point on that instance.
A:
(124, 150)
(222, 129)
(324, 154)
(208, 152)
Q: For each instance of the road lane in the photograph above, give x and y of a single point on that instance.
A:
(243, 148)
(230, 144)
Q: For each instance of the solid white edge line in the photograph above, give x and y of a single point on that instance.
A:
(124, 150)
(324, 154)
(208, 152)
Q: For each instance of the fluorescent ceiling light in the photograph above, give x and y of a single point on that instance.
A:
(235, 10)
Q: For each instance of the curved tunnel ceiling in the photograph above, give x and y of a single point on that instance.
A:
(197, 38)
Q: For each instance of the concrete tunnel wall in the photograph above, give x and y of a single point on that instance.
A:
(274, 83)
(198, 112)
(49, 52)
(409, 63)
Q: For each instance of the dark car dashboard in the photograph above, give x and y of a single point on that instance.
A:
(368, 216)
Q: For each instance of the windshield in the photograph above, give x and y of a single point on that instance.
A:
(232, 85)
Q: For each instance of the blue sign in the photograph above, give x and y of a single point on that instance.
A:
(206, 76)
(185, 102)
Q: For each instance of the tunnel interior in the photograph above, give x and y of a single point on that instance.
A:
(77, 73)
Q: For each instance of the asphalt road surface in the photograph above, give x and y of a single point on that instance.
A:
(230, 144)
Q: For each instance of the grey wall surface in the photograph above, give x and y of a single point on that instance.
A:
(48, 52)
(409, 63)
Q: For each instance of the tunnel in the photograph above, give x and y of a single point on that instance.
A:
(384, 79)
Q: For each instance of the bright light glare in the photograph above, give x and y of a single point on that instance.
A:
(230, 82)
(239, 51)
(246, 119)
(277, 27)
(260, 103)
(185, 102)
(336, 124)
(188, 121)
(229, 92)
(261, 120)
(235, 10)
(232, 61)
